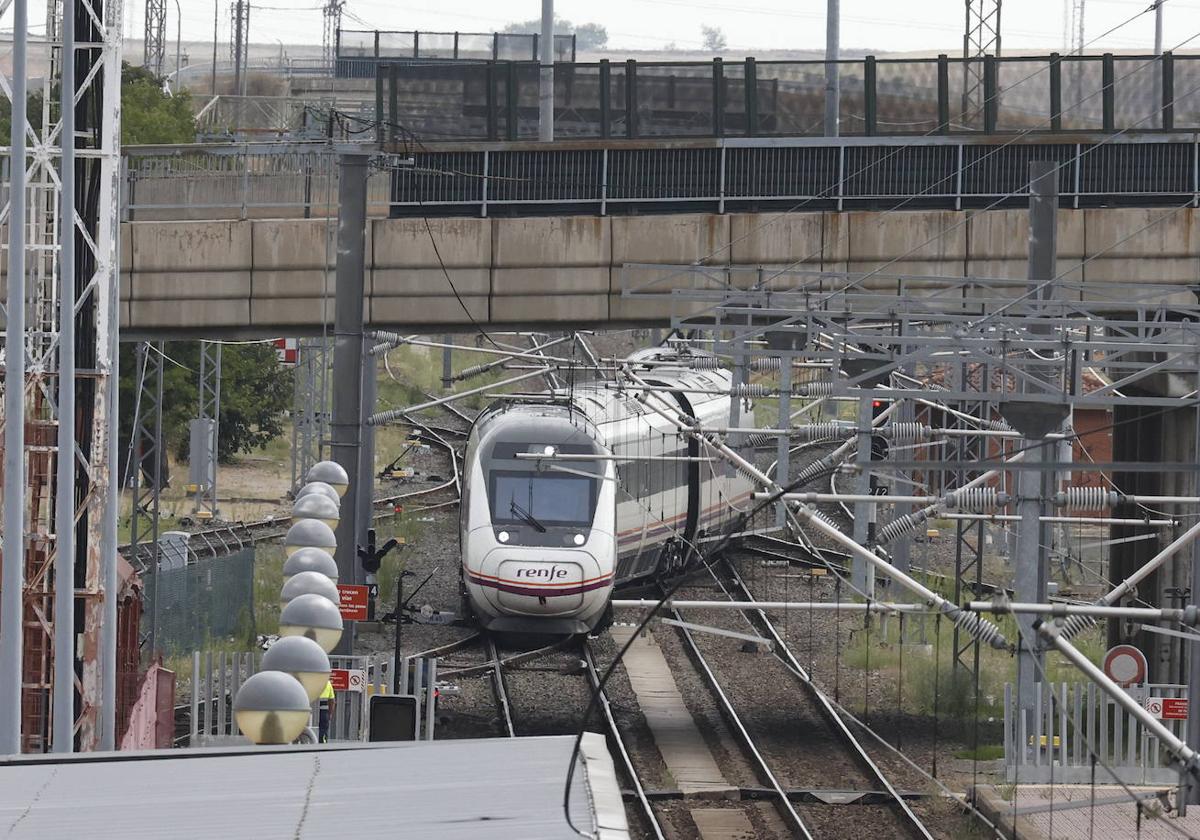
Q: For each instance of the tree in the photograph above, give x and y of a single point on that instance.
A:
(588, 36)
(591, 36)
(149, 115)
(256, 391)
(714, 38)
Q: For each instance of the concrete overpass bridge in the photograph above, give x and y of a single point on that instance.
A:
(239, 241)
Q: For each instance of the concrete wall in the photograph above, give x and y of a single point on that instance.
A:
(274, 276)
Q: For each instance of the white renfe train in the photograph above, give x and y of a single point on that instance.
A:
(543, 542)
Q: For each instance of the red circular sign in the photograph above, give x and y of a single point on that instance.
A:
(1125, 665)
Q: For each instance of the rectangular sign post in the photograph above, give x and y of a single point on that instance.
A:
(1167, 708)
(348, 679)
(352, 601)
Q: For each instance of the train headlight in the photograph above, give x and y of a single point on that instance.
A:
(502, 536)
(580, 539)
(549, 450)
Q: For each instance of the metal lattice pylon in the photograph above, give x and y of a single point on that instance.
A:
(333, 22)
(239, 12)
(145, 470)
(204, 475)
(980, 38)
(1073, 26)
(311, 415)
(70, 344)
(154, 37)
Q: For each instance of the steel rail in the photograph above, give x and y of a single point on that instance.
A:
(498, 687)
(784, 653)
(731, 716)
(589, 660)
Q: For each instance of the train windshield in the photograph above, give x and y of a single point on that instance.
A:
(540, 500)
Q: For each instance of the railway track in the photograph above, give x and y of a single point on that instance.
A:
(225, 539)
(804, 742)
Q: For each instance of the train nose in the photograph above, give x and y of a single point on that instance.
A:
(552, 585)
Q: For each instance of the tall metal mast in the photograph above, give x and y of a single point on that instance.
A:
(59, 365)
(333, 22)
(981, 38)
(154, 37)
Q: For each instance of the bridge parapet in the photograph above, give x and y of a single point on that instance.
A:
(260, 277)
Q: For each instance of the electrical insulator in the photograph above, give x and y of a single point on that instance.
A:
(1087, 498)
(978, 499)
(906, 432)
(750, 389)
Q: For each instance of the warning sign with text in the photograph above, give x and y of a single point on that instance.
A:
(1167, 708)
(352, 601)
(348, 679)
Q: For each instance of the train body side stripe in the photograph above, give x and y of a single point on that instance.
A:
(540, 591)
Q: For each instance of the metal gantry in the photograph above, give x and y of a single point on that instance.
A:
(57, 649)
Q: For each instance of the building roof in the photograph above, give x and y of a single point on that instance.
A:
(478, 789)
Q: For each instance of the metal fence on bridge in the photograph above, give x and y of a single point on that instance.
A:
(360, 51)
(300, 180)
(449, 100)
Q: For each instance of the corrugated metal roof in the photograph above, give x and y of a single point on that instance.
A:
(478, 789)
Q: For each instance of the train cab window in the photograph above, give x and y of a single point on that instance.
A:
(547, 499)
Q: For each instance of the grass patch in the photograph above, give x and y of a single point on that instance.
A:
(984, 752)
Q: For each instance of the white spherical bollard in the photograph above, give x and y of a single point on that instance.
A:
(308, 583)
(272, 707)
(310, 560)
(332, 474)
(314, 617)
(310, 533)
(303, 659)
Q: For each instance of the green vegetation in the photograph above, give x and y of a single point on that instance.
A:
(148, 114)
(984, 752)
(256, 391)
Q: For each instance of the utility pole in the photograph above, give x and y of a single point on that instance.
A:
(1189, 793)
(63, 707)
(833, 93)
(546, 75)
(348, 361)
(11, 606)
(862, 574)
(216, 20)
(1035, 421)
(241, 45)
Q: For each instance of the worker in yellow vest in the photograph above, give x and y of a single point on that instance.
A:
(325, 712)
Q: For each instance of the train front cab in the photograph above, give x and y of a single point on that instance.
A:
(539, 534)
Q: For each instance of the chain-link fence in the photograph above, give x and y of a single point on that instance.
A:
(198, 601)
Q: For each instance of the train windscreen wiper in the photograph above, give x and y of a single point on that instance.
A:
(525, 516)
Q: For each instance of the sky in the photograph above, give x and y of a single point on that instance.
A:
(878, 25)
(867, 25)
